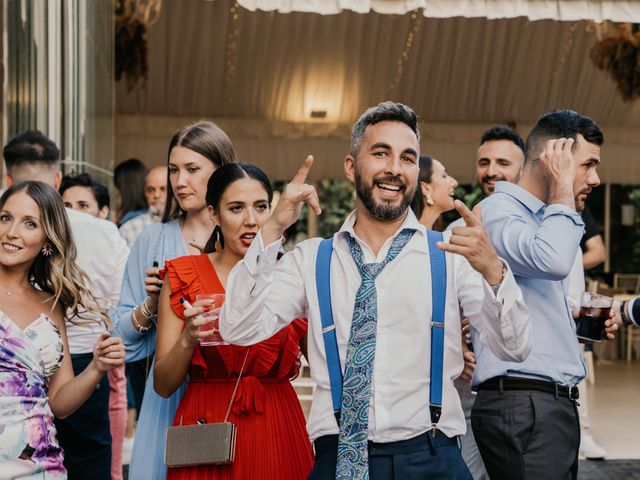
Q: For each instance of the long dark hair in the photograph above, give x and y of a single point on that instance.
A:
(129, 177)
(57, 273)
(220, 180)
(207, 139)
(426, 172)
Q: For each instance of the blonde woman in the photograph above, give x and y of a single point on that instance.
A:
(39, 283)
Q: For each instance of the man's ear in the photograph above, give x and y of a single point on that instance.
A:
(8, 181)
(57, 180)
(350, 168)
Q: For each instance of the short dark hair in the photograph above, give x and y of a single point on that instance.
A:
(99, 191)
(129, 177)
(560, 124)
(385, 111)
(218, 183)
(30, 146)
(426, 172)
(502, 132)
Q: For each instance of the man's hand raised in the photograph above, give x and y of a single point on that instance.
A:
(560, 170)
(287, 212)
(472, 242)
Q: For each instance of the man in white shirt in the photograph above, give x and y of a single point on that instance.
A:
(102, 253)
(393, 395)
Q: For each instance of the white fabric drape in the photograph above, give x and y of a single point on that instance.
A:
(597, 10)
(461, 76)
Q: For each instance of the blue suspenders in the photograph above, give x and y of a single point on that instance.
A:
(438, 294)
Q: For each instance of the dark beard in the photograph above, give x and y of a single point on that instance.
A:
(382, 211)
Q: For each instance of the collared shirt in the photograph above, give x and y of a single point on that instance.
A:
(263, 298)
(134, 227)
(539, 242)
(102, 254)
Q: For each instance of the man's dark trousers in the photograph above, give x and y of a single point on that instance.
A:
(418, 458)
(526, 434)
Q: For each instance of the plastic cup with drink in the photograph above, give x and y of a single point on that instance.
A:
(212, 312)
(594, 311)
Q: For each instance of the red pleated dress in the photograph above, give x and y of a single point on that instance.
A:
(272, 441)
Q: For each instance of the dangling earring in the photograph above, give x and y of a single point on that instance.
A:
(218, 239)
(429, 199)
(47, 251)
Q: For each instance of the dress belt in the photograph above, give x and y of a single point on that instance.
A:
(505, 383)
(233, 380)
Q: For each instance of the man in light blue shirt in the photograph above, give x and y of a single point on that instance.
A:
(525, 419)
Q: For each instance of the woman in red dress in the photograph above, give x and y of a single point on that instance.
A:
(272, 442)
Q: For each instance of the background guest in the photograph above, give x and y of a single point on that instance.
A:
(128, 178)
(156, 194)
(82, 193)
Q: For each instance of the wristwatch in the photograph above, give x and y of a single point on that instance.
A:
(496, 287)
(623, 314)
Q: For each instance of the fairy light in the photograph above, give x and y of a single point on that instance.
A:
(406, 52)
(232, 53)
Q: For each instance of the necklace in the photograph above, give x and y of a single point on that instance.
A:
(8, 293)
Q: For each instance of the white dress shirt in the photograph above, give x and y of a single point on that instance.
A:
(262, 298)
(102, 254)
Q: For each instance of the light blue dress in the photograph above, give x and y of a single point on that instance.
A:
(157, 243)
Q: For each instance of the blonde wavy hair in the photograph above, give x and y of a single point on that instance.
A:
(58, 273)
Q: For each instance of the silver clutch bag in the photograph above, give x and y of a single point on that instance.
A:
(206, 444)
(203, 443)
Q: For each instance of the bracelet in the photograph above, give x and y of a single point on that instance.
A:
(139, 328)
(145, 310)
(623, 314)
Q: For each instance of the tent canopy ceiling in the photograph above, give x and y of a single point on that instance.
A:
(261, 74)
(567, 10)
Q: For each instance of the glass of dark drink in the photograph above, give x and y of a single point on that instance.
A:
(594, 311)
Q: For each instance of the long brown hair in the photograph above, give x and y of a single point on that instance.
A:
(207, 139)
(58, 273)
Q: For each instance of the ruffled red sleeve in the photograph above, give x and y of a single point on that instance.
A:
(189, 276)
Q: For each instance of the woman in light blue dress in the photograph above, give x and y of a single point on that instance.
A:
(195, 152)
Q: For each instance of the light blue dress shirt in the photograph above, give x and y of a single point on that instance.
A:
(539, 242)
(157, 243)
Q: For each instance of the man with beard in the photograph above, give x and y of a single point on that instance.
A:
(381, 300)
(525, 419)
(500, 157)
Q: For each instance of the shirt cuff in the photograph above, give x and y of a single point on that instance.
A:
(634, 311)
(558, 209)
(505, 294)
(261, 259)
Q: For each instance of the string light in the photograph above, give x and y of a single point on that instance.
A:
(231, 62)
(566, 49)
(408, 47)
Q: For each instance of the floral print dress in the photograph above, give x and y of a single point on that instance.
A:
(28, 444)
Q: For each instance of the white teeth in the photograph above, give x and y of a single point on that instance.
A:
(393, 188)
(12, 248)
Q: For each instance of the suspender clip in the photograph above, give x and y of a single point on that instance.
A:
(434, 430)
